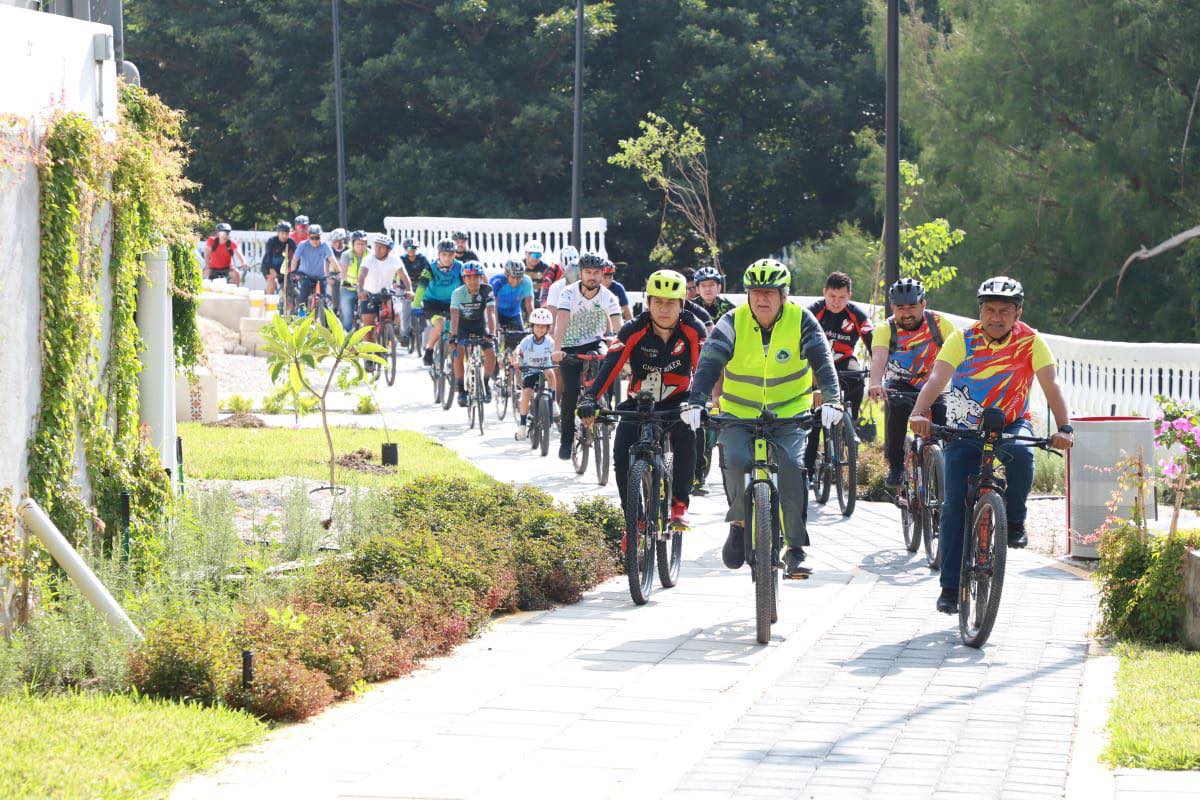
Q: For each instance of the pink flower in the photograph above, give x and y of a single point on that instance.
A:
(1183, 425)
(1163, 428)
(1170, 467)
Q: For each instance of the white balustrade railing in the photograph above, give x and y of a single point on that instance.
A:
(498, 240)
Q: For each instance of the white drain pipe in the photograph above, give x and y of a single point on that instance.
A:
(77, 569)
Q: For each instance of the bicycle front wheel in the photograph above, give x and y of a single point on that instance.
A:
(436, 374)
(500, 390)
(545, 413)
(580, 448)
(602, 445)
(478, 398)
(933, 471)
(824, 468)
(670, 547)
(846, 454)
(445, 357)
(389, 346)
(908, 497)
(764, 562)
(984, 553)
(642, 499)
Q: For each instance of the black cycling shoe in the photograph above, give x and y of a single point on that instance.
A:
(1016, 536)
(487, 393)
(370, 367)
(894, 478)
(947, 601)
(564, 452)
(733, 554)
(404, 341)
(462, 399)
(793, 564)
(428, 358)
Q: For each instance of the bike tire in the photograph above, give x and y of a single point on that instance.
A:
(389, 333)
(580, 449)
(545, 418)
(824, 470)
(603, 454)
(934, 471)
(764, 564)
(500, 394)
(670, 547)
(642, 496)
(447, 362)
(986, 544)
(908, 499)
(478, 398)
(435, 374)
(847, 467)
(534, 431)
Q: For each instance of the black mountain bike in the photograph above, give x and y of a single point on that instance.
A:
(416, 330)
(764, 516)
(598, 437)
(649, 537)
(919, 497)
(837, 460)
(985, 527)
(473, 379)
(541, 415)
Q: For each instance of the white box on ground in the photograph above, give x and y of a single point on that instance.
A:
(227, 309)
(1093, 475)
(250, 330)
(196, 396)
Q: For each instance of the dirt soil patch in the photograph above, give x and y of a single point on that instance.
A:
(364, 460)
(239, 420)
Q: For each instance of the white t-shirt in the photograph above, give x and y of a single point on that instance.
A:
(589, 316)
(380, 274)
(555, 291)
(535, 354)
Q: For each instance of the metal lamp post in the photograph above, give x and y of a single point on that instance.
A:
(577, 149)
(891, 211)
(337, 113)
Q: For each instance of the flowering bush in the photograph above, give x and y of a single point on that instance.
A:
(1179, 430)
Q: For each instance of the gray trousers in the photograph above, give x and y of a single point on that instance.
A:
(737, 453)
(405, 308)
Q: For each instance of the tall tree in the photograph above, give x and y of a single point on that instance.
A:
(463, 107)
(1062, 136)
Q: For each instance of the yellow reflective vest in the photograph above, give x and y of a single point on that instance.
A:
(350, 279)
(777, 377)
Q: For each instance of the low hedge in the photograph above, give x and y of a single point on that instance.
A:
(450, 554)
(1141, 582)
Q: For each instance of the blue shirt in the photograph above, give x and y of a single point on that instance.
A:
(313, 259)
(509, 298)
(438, 285)
(618, 289)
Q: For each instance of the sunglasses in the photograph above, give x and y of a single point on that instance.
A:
(535, 255)
(316, 237)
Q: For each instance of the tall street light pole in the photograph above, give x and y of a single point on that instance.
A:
(337, 112)
(891, 211)
(577, 149)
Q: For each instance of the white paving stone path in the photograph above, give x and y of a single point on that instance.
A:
(864, 691)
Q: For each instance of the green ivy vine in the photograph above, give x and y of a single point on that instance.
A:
(141, 176)
(185, 305)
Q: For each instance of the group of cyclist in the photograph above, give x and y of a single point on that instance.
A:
(693, 351)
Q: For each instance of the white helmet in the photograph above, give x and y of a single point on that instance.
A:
(533, 246)
(338, 235)
(541, 316)
(569, 256)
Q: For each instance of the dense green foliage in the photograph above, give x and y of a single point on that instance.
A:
(464, 108)
(1141, 582)
(1061, 136)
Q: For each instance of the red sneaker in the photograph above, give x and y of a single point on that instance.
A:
(679, 517)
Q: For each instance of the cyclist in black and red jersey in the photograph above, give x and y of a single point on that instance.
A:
(845, 324)
(661, 346)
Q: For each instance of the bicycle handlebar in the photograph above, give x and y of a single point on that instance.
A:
(719, 421)
(947, 433)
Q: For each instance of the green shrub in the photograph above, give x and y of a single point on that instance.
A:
(282, 690)
(1141, 583)
(872, 473)
(237, 404)
(184, 658)
(366, 405)
(1049, 473)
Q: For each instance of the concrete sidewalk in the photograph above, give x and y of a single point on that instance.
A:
(865, 691)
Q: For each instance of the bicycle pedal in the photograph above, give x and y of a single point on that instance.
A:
(803, 573)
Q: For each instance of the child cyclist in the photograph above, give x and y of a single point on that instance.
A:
(532, 355)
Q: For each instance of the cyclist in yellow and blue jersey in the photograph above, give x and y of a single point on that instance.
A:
(435, 287)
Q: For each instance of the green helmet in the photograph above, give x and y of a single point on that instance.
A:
(767, 273)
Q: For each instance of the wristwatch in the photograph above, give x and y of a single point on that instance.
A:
(1066, 429)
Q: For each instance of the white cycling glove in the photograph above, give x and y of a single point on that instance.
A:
(830, 415)
(691, 416)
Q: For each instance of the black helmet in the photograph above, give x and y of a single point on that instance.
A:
(445, 246)
(410, 244)
(358, 236)
(591, 261)
(906, 292)
(709, 274)
(1001, 288)
(283, 226)
(459, 235)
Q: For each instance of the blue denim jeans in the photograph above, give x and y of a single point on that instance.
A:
(347, 301)
(962, 461)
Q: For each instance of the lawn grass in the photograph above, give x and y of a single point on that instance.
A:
(242, 454)
(91, 745)
(1154, 721)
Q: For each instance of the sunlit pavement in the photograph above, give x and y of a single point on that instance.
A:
(864, 691)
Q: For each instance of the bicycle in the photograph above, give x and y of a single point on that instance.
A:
(541, 413)
(985, 527)
(763, 515)
(919, 497)
(416, 330)
(385, 336)
(649, 537)
(837, 461)
(441, 372)
(598, 437)
(507, 388)
(473, 379)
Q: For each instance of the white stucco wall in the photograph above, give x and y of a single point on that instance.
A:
(47, 66)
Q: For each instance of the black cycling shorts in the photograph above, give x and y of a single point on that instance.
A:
(468, 328)
(431, 308)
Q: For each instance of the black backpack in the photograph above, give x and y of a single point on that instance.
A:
(931, 320)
